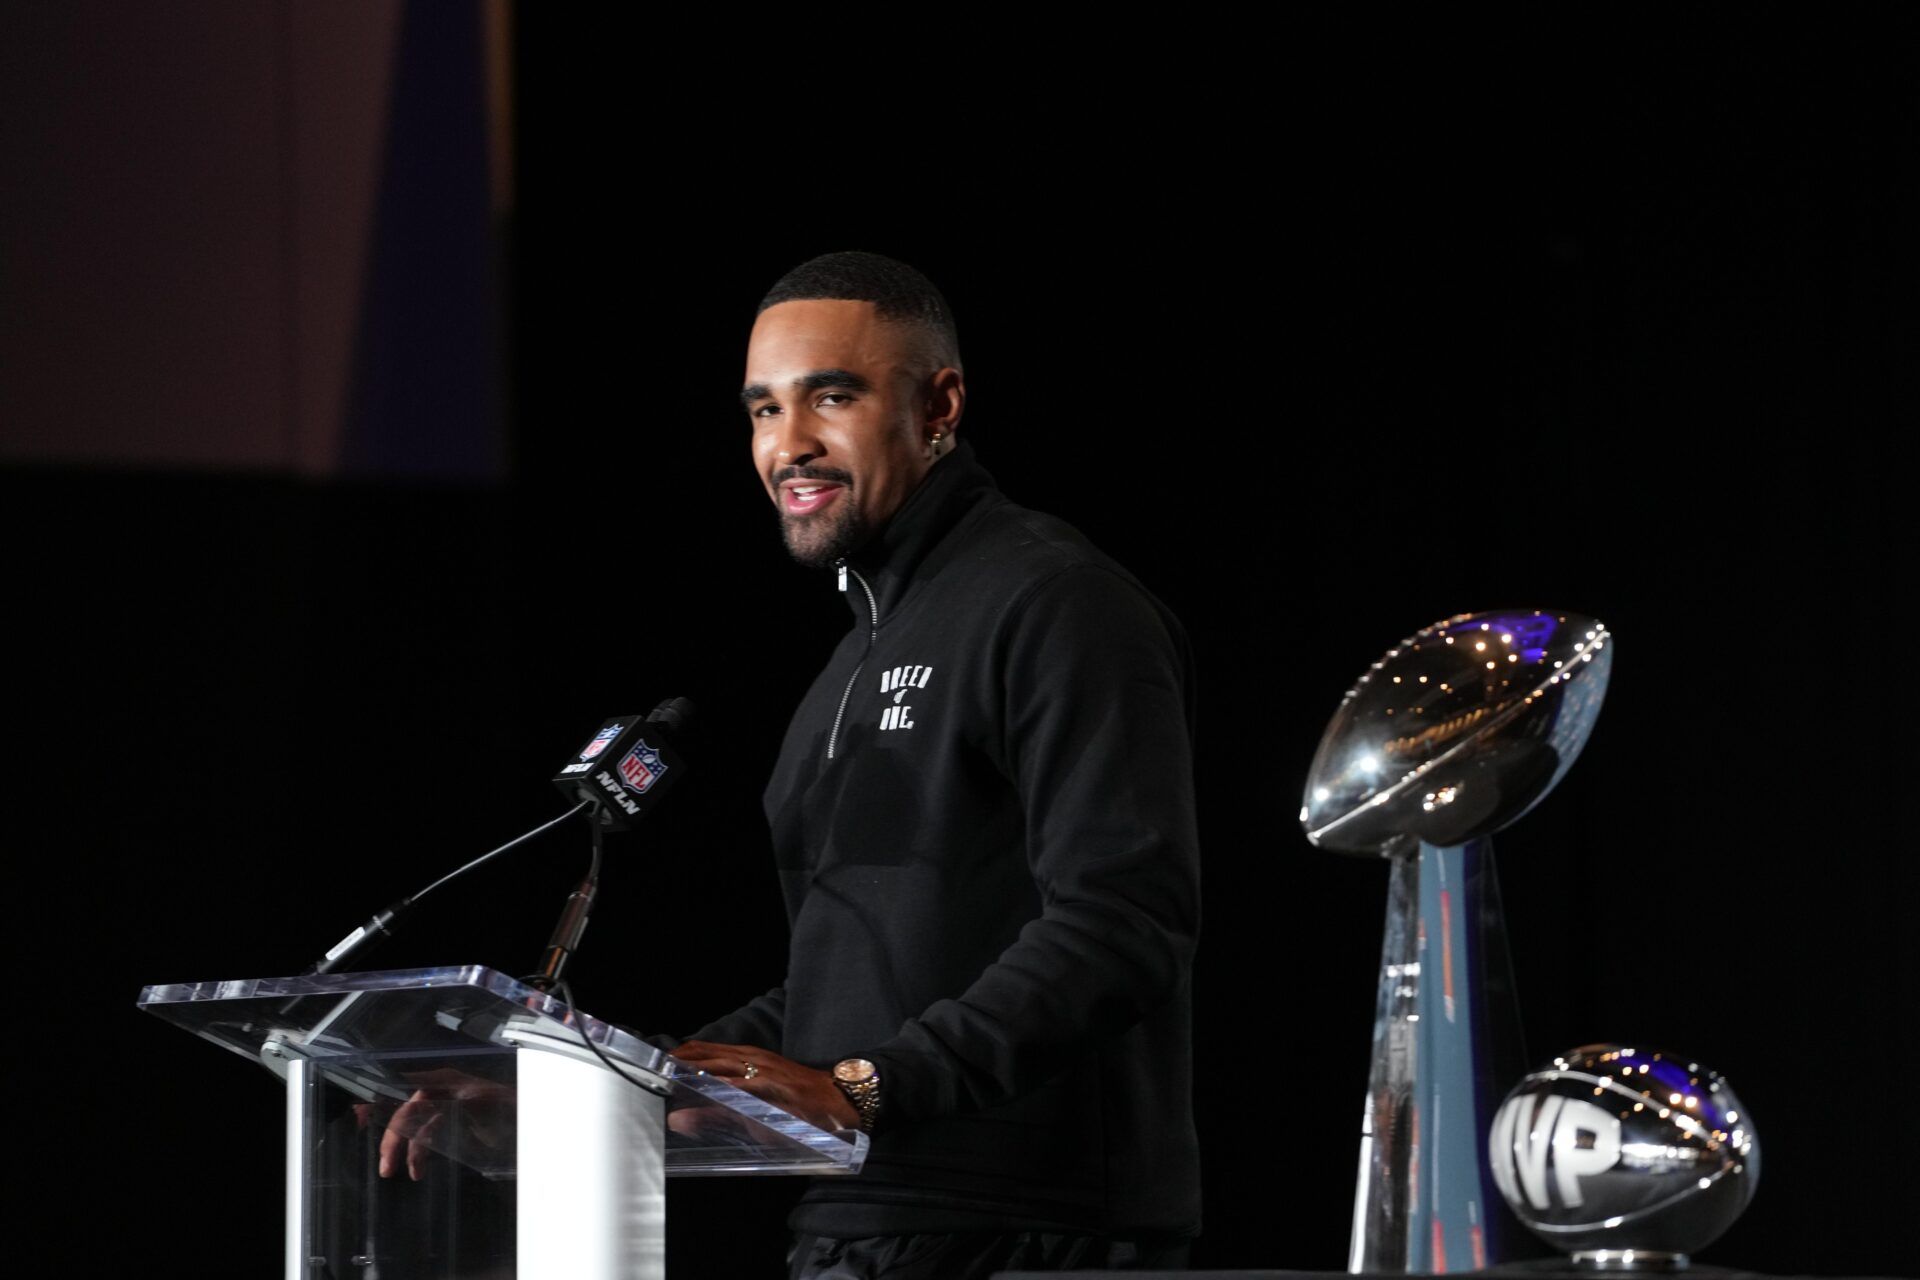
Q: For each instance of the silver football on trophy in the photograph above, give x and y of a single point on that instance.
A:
(1457, 731)
(1625, 1157)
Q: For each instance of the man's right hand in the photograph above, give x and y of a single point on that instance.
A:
(803, 1091)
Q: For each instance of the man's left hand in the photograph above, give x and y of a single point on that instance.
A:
(803, 1091)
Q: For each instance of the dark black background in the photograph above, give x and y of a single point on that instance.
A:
(1320, 362)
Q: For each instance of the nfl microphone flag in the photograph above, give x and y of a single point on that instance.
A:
(622, 769)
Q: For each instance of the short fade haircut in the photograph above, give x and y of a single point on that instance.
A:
(897, 291)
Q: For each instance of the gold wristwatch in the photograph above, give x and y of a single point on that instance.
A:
(860, 1081)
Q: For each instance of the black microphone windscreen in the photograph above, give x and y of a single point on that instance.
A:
(673, 715)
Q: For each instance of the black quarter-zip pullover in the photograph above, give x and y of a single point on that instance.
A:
(983, 820)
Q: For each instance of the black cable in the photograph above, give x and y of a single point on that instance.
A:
(549, 982)
(566, 993)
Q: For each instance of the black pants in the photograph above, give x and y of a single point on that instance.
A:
(973, 1255)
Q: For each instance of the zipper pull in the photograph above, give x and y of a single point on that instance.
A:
(841, 565)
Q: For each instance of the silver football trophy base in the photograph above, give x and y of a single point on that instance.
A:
(1629, 1260)
(1452, 735)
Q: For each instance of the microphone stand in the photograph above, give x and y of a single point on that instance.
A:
(573, 922)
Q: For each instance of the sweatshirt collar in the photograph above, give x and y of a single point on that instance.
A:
(955, 485)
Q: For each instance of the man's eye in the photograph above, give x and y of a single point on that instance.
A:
(835, 397)
(764, 411)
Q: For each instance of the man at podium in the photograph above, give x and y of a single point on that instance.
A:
(983, 820)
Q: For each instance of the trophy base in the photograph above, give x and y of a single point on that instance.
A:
(1629, 1260)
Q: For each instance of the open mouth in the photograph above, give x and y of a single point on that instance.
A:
(803, 497)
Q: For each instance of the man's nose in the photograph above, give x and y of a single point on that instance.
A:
(796, 443)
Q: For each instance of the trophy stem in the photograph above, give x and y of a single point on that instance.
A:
(1446, 1041)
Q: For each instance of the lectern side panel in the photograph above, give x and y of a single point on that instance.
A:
(592, 1183)
(300, 1138)
(414, 1181)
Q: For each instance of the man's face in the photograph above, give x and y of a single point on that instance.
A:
(838, 399)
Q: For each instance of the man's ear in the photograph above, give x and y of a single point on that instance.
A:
(946, 401)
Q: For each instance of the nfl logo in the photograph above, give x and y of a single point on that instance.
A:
(600, 742)
(641, 768)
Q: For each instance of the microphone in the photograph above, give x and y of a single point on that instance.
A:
(642, 765)
(630, 763)
(625, 767)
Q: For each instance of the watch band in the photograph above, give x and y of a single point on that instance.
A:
(860, 1081)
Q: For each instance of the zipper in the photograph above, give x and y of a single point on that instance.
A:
(873, 631)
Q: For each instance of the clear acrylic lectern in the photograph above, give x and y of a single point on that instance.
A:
(515, 1149)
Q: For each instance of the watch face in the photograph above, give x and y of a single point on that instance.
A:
(854, 1070)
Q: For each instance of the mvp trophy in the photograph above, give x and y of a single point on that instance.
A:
(1453, 734)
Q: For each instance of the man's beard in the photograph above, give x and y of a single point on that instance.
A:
(819, 539)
